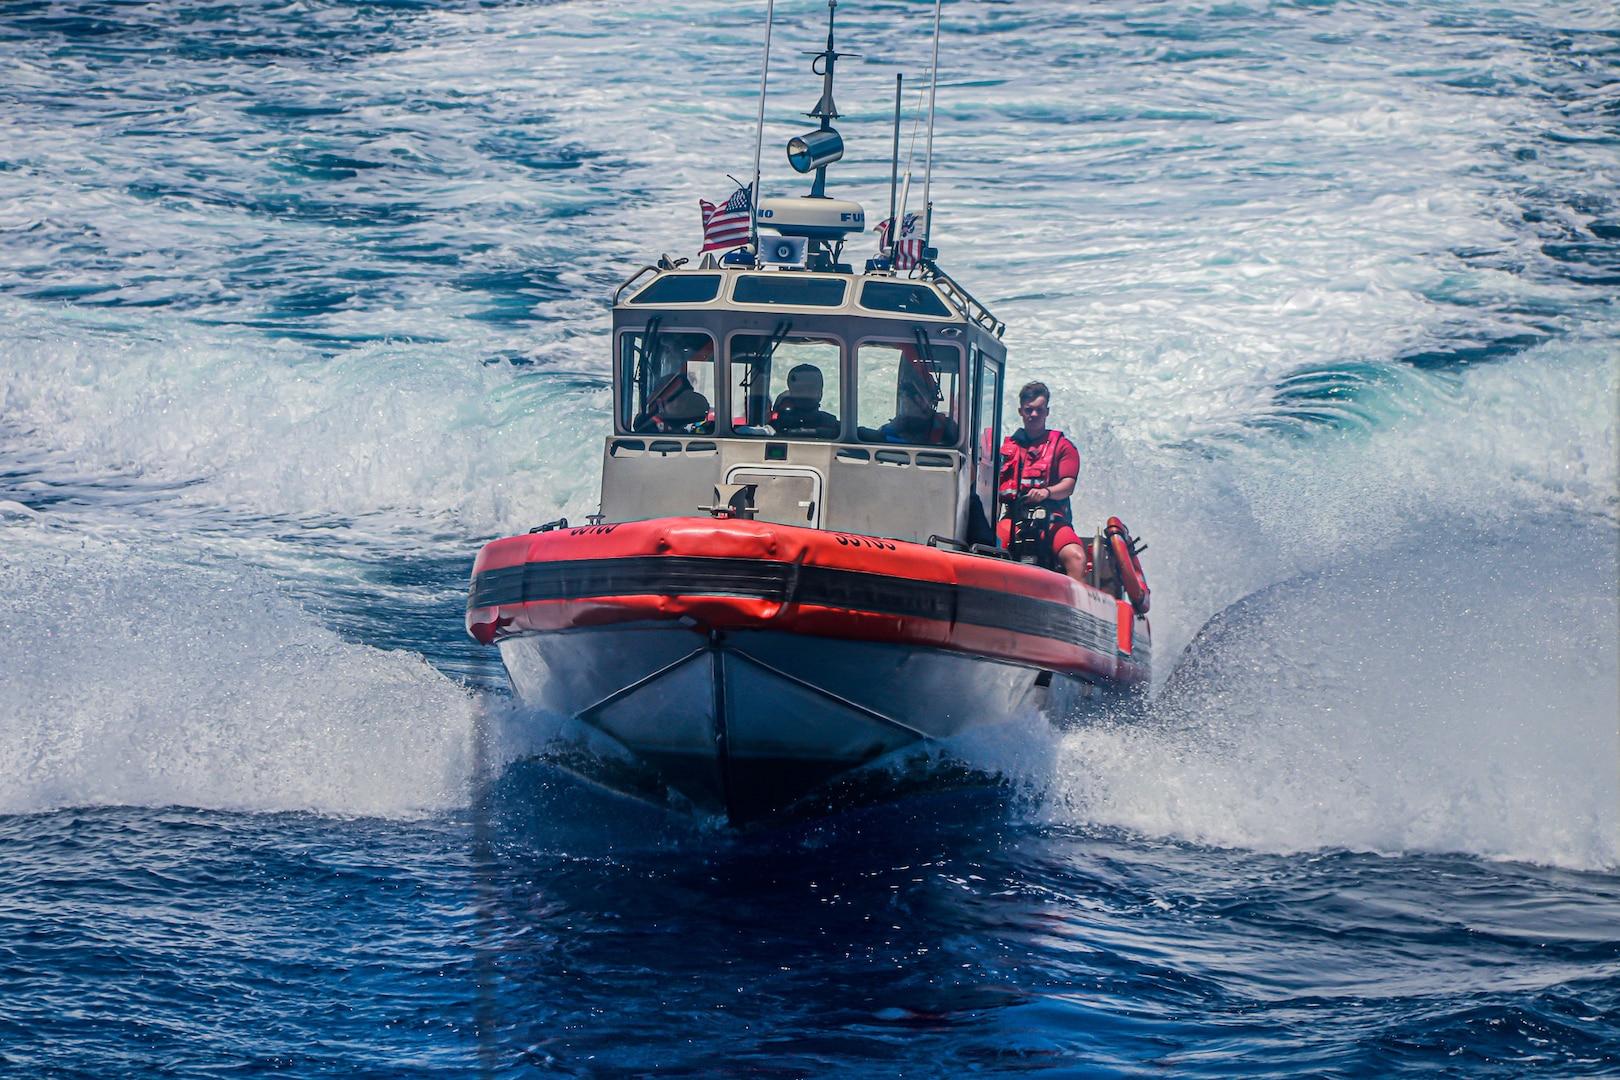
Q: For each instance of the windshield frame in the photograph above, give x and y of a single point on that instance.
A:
(793, 331)
(962, 396)
(625, 404)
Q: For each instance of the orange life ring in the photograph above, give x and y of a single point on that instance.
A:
(1127, 565)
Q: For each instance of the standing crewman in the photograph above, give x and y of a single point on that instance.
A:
(1039, 470)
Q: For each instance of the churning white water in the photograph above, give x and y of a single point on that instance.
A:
(1325, 295)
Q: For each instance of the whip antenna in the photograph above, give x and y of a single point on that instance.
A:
(894, 171)
(928, 167)
(759, 131)
(911, 155)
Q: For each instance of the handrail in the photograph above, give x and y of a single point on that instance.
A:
(963, 299)
(630, 281)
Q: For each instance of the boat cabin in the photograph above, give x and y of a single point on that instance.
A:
(862, 403)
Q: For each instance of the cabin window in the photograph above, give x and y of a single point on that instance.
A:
(794, 290)
(910, 297)
(907, 392)
(666, 381)
(785, 385)
(680, 289)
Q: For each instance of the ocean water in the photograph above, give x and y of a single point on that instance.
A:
(301, 302)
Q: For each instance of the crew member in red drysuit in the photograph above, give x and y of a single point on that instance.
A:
(1048, 466)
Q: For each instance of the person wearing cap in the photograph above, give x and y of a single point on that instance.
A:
(1040, 468)
(798, 409)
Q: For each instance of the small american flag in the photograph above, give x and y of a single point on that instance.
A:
(909, 250)
(726, 226)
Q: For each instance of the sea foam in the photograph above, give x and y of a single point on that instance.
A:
(131, 678)
(1453, 693)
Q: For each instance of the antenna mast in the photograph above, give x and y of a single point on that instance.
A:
(894, 171)
(759, 133)
(825, 110)
(928, 169)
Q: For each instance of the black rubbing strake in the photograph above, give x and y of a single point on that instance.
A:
(823, 586)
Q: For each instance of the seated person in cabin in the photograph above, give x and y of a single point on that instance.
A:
(918, 419)
(798, 408)
(1039, 471)
(675, 407)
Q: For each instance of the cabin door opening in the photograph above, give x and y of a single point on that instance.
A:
(987, 432)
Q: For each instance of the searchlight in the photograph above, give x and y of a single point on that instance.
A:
(815, 150)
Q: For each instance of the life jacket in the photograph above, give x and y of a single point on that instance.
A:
(938, 432)
(1035, 471)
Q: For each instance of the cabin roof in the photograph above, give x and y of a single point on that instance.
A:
(930, 298)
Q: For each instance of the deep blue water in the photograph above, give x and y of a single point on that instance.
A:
(947, 936)
(301, 302)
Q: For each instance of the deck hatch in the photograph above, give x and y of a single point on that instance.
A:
(785, 496)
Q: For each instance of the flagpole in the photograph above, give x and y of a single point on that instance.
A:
(905, 196)
(759, 131)
(928, 168)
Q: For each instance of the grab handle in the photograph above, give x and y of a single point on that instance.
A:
(631, 280)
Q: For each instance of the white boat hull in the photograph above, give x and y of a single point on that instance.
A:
(749, 722)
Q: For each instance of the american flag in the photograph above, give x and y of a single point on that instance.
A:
(909, 250)
(726, 226)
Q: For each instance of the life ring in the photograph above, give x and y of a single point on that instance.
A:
(1127, 565)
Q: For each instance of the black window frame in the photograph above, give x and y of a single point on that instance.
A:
(944, 311)
(645, 297)
(627, 398)
(964, 380)
(789, 281)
